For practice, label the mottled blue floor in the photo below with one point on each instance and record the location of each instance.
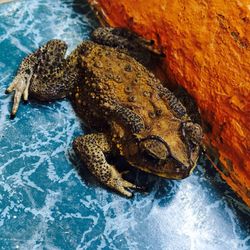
(46, 204)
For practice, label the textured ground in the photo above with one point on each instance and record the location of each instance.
(46, 204)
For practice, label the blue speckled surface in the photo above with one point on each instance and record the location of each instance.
(46, 204)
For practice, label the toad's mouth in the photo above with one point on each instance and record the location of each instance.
(169, 169)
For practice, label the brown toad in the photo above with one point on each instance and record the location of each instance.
(131, 113)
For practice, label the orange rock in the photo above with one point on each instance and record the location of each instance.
(207, 44)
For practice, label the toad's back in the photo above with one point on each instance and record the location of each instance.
(110, 76)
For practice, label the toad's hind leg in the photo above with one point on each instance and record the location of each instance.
(91, 149)
(42, 74)
(128, 42)
(118, 36)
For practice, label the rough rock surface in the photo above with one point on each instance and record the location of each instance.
(208, 52)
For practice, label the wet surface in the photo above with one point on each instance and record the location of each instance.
(46, 203)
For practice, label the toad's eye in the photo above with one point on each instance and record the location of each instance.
(154, 148)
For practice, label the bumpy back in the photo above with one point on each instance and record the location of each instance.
(112, 76)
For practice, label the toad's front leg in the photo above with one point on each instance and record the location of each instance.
(42, 73)
(91, 149)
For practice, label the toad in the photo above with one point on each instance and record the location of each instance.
(128, 110)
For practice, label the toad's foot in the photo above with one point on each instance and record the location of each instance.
(91, 149)
(119, 184)
(21, 84)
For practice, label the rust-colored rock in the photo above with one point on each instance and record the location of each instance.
(207, 44)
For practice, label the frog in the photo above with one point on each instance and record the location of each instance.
(128, 111)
